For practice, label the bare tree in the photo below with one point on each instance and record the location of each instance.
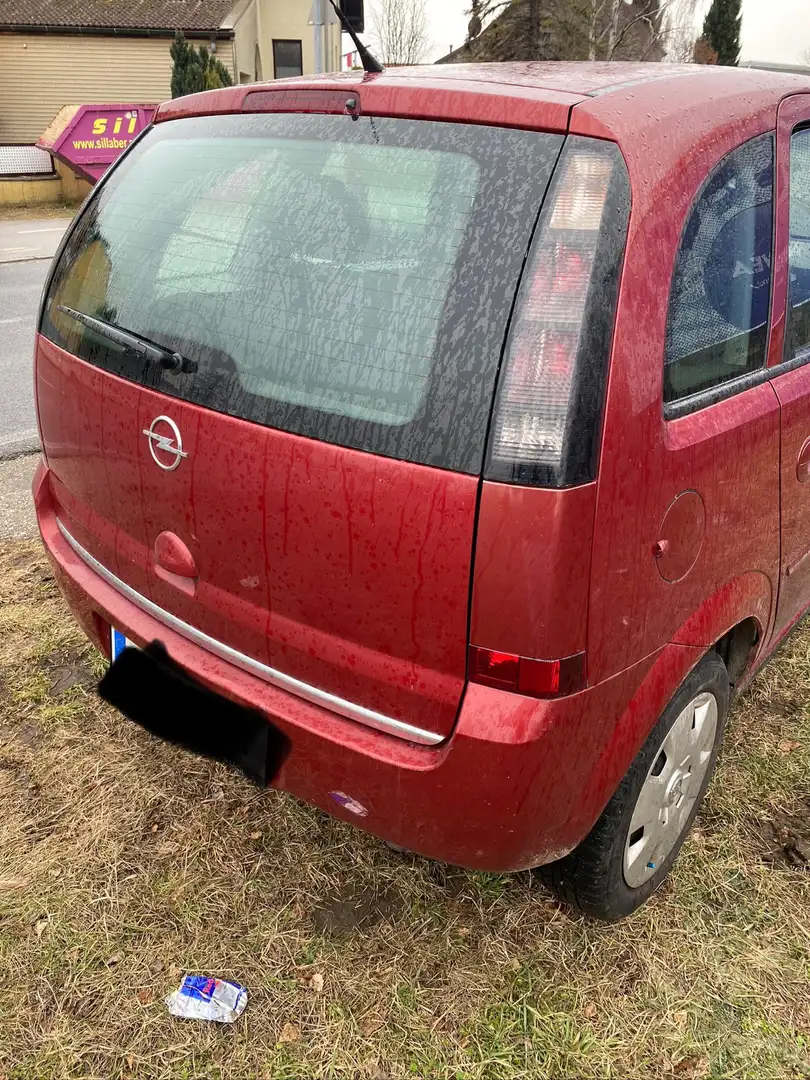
(641, 29)
(400, 30)
(682, 31)
(582, 29)
(681, 45)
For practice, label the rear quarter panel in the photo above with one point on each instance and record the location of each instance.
(727, 453)
(531, 577)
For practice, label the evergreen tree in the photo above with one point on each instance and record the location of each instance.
(721, 30)
(179, 52)
(215, 74)
(195, 69)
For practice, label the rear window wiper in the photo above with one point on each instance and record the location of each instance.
(141, 347)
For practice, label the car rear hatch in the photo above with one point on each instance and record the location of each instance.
(299, 482)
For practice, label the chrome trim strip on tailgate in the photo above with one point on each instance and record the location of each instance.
(254, 667)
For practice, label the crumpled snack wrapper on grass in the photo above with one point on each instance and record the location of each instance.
(200, 997)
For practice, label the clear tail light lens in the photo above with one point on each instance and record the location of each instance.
(549, 351)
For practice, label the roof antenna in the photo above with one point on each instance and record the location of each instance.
(370, 63)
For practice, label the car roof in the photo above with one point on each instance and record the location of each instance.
(649, 89)
(586, 78)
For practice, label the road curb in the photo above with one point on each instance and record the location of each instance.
(27, 258)
(27, 443)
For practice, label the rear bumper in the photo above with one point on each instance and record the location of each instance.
(519, 783)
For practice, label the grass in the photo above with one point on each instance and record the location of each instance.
(38, 211)
(125, 863)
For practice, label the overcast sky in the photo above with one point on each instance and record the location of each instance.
(773, 30)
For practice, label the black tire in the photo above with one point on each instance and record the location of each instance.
(591, 878)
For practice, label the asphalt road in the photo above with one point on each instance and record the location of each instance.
(24, 240)
(26, 249)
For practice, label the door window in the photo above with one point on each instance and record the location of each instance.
(718, 313)
(799, 316)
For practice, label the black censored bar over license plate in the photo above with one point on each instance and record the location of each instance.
(147, 686)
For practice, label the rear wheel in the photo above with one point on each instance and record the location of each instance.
(632, 847)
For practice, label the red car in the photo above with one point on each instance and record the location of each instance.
(454, 421)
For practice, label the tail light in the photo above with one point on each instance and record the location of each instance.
(525, 675)
(551, 388)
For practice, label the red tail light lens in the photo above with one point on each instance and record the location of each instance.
(525, 675)
(498, 669)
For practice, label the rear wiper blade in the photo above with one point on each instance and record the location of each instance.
(133, 343)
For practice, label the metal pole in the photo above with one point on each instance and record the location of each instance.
(318, 31)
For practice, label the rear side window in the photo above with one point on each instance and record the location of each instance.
(799, 319)
(718, 313)
(348, 280)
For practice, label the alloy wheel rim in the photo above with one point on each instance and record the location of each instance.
(670, 789)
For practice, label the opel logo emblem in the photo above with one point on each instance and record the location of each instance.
(168, 444)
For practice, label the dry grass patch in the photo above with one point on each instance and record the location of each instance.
(35, 213)
(125, 863)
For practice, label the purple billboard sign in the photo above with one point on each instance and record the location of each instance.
(95, 135)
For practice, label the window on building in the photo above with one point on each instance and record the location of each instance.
(287, 59)
(718, 313)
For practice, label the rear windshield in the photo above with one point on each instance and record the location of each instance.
(347, 280)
